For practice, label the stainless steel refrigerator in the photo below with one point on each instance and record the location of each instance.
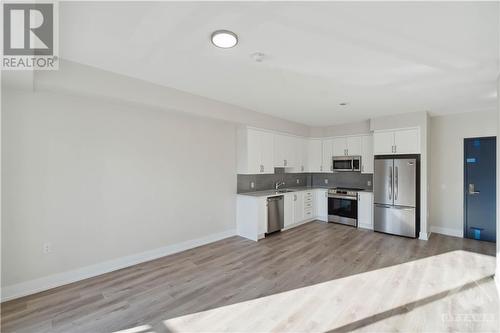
(395, 187)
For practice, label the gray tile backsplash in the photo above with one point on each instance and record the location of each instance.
(341, 179)
(266, 182)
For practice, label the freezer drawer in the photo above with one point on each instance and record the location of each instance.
(395, 220)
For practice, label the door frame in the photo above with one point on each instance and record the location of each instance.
(464, 180)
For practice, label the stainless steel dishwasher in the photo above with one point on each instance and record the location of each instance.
(275, 216)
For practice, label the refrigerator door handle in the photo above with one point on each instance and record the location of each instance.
(390, 183)
(396, 182)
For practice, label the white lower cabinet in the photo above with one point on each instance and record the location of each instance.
(288, 210)
(298, 207)
(321, 208)
(365, 210)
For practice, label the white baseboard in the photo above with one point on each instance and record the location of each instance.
(424, 235)
(366, 226)
(448, 231)
(497, 278)
(297, 224)
(57, 280)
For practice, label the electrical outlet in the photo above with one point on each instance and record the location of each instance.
(298, 181)
(326, 181)
(252, 185)
(369, 183)
(47, 248)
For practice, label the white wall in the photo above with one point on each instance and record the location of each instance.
(360, 127)
(101, 180)
(446, 177)
(89, 81)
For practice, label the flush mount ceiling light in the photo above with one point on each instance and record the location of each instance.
(224, 39)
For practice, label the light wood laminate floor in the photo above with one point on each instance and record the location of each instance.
(317, 277)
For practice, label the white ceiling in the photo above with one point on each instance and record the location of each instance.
(382, 58)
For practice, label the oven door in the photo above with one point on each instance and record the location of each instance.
(342, 164)
(343, 209)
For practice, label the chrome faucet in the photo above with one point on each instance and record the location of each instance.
(278, 184)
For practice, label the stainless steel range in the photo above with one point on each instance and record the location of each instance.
(343, 205)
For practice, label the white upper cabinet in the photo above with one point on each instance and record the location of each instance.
(314, 155)
(353, 145)
(383, 143)
(303, 155)
(402, 141)
(407, 141)
(260, 151)
(367, 154)
(347, 146)
(255, 151)
(339, 146)
(284, 151)
(327, 155)
(300, 155)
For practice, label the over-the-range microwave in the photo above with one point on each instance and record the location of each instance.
(347, 163)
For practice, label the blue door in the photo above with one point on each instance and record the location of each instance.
(480, 188)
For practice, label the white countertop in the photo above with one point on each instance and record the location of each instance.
(272, 193)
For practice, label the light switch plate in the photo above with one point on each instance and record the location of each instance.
(326, 181)
(252, 185)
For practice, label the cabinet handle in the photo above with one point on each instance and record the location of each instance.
(320, 168)
(295, 197)
(302, 169)
(284, 162)
(395, 148)
(331, 167)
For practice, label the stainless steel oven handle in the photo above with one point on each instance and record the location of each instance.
(335, 196)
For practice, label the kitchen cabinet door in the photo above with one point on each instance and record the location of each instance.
(354, 145)
(321, 204)
(383, 143)
(253, 151)
(288, 209)
(279, 150)
(298, 206)
(314, 155)
(267, 152)
(365, 210)
(407, 141)
(284, 151)
(367, 154)
(301, 155)
(339, 146)
(327, 155)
